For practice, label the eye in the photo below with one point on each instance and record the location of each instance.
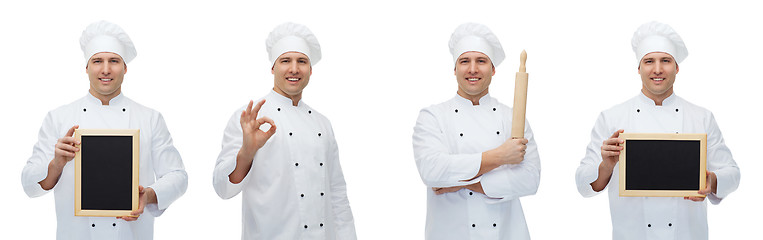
(302, 61)
(114, 61)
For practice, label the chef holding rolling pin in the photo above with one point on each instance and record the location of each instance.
(476, 156)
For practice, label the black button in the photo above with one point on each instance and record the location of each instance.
(471, 193)
(638, 110)
(302, 195)
(296, 164)
(84, 109)
(461, 134)
(279, 109)
(493, 109)
(494, 225)
(309, 112)
(670, 224)
(114, 224)
(498, 132)
(456, 110)
(124, 110)
(305, 226)
(319, 134)
(289, 134)
(649, 225)
(676, 109)
(93, 225)
(473, 225)
(321, 194)
(321, 164)
(321, 224)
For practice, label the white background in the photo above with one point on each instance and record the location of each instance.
(382, 62)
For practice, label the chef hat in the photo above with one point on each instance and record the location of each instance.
(292, 37)
(476, 37)
(104, 36)
(658, 37)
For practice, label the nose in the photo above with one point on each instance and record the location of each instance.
(473, 67)
(106, 69)
(293, 69)
(658, 68)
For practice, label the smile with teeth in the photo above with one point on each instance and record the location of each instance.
(658, 79)
(472, 79)
(105, 79)
(292, 79)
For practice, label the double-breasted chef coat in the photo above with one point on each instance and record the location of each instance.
(295, 188)
(645, 218)
(448, 141)
(161, 167)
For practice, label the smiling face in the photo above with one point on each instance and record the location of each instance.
(474, 71)
(658, 73)
(291, 73)
(106, 72)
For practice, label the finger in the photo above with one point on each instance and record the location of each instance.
(611, 148)
(71, 131)
(66, 147)
(610, 153)
(617, 133)
(257, 108)
(613, 141)
(68, 140)
(65, 154)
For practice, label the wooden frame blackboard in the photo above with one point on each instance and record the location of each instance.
(663, 165)
(106, 172)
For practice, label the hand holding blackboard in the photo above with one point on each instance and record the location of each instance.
(66, 149)
(610, 155)
(147, 195)
(712, 186)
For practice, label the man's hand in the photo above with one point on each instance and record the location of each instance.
(610, 148)
(610, 155)
(253, 140)
(712, 187)
(512, 151)
(146, 196)
(65, 151)
(475, 187)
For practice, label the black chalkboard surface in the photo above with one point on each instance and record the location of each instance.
(662, 165)
(106, 172)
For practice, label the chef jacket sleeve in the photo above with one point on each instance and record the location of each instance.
(512, 181)
(36, 168)
(437, 166)
(343, 220)
(720, 161)
(171, 177)
(226, 161)
(588, 171)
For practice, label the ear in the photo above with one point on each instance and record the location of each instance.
(676, 67)
(272, 71)
(493, 70)
(125, 67)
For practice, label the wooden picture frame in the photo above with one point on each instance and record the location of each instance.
(106, 172)
(663, 164)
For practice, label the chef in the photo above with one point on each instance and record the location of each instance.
(291, 179)
(474, 171)
(656, 109)
(163, 179)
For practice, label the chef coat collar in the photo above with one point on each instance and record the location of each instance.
(671, 100)
(114, 101)
(281, 99)
(483, 101)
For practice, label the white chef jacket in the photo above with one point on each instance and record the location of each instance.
(295, 188)
(161, 167)
(658, 217)
(448, 141)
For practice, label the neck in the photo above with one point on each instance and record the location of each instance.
(294, 98)
(474, 98)
(105, 98)
(657, 98)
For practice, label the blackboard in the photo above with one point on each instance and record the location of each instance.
(106, 172)
(662, 165)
